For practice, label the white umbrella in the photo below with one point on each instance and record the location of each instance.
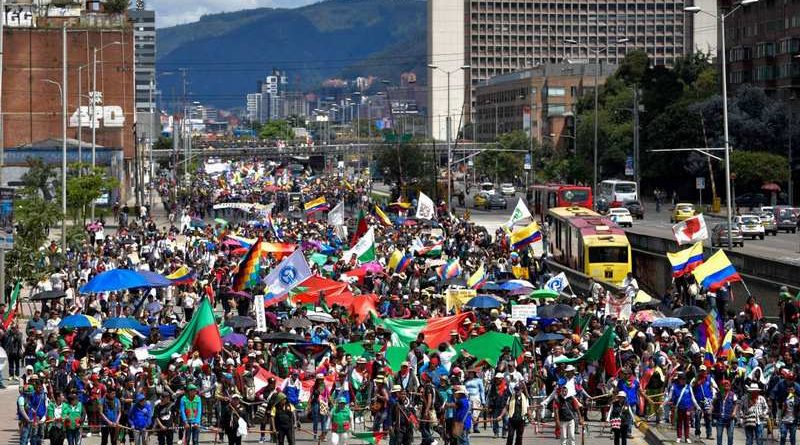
(321, 317)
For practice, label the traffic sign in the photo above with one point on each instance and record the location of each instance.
(700, 183)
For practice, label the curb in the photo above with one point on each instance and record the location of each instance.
(650, 436)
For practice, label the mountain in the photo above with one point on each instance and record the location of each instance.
(226, 54)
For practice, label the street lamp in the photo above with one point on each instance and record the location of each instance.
(722, 17)
(449, 133)
(596, 92)
(94, 103)
(61, 94)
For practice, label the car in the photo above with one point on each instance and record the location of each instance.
(719, 235)
(786, 218)
(496, 201)
(487, 187)
(480, 200)
(621, 216)
(751, 226)
(636, 208)
(508, 189)
(750, 200)
(682, 212)
(768, 221)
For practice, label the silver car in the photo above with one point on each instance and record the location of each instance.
(769, 223)
(719, 235)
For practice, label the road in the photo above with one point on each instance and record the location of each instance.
(8, 431)
(783, 247)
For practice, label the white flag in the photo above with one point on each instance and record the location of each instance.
(336, 215)
(425, 207)
(691, 230)
(292, 271)
(558, 283)
(520, 212)
(364, 249)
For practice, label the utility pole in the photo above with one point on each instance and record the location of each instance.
(64, 137)
(151, 134)
(636, 170)
(2, 152)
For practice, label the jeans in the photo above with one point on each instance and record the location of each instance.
(13, 366)
(704, 415)
(788, 430)
(24, 434)
(754, 434)
(495, 424)
(426, 433)
(727, 427)
(165, 437)
(105, 433)
(516, 429)
(568, 432)
(192, 435)
(318, 419)
(140, 437)
(621, 435)
(37, 434)
(74, 437)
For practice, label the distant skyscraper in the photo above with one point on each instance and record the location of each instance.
(144, 36)
(499, 37)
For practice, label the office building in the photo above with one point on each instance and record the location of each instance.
(540, 101)
(253, 107)
(144, 51)
(497, 37)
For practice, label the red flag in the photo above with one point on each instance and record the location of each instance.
(361, 228)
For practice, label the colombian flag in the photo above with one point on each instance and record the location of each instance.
(183, 275)
(247, 272)
(726, 349)
(477, 279)
(399, 262)
(450, 270)
(525, 236)
(716, 272)
(382, 217)
(315, 205)
(686, 260)
(708, 356)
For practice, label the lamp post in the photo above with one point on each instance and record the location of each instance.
(93, 100)
(596, 95)
(722, 17)
(63, 162)
(449, 132)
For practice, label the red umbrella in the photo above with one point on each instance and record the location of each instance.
(771, 187)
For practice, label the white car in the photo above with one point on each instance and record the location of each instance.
(508, 189)
(621, 216)
(488, 188)
(751, 226)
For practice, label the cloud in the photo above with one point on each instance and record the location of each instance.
(177, 12)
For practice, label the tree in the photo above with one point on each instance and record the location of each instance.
(83, 190)
(117, 6)
(408, 163)
(504, 166)
(35, 216)
(756, 168)
(277, 130)
(39, 177)
(163, 143)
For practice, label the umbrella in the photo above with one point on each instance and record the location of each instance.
(519, 291)
(547, 336)
(235, 339)
(410, 222)
(483, 302)
(516, 284)
(239, 322)
(646, 316)
(122, 323)
(321, 317)
(372, 266)
(155, 280)
(79, 321)
(491, 285)
(49, 295)
(556, 311)
(668, 322)
(282, 337)
(689, 312)
(294, 323)
(221, 221)
(236, 294)
(119, 279)
(544, 293)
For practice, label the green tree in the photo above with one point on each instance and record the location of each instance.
(117, 6)
(755, 168)
(35, 216)
(163, 143)
(39, 177)
(504, 166)
(277, 130)
(83, 190)
(408, 163)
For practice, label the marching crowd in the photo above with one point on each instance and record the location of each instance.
(338, 377)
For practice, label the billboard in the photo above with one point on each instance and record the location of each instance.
(6, 218)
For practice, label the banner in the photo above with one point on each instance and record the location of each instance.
(455, 298)
(425, 207)
(292, 271)
(261, 318)
(244, 206)
(521, 312)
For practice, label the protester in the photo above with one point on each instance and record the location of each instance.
(620, 417)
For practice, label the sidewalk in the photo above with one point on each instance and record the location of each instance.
(666, 433)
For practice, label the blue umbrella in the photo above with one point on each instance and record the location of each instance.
(155, 280)
(483, 302)
(122, 323)
(79, 321)
(516, 284)
(115, 280)
(491, 285)
(668, 322)
(547, 336)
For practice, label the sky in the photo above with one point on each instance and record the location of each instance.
(176, 12)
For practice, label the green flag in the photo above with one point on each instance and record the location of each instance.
(403, 331)
(605, 342)
(489, 346)
(201, 333)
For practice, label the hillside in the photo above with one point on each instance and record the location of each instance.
(226, 54)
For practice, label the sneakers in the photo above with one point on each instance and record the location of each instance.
(679, 440)
(262, 440)
(688, 440)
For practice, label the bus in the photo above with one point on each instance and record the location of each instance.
(586, 242)
(616, 193)
(543, 197)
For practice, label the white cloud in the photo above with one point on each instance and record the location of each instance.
(177, 12)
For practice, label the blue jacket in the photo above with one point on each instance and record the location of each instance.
(631, 392)
(140, 417)
(779, 391)
(681, 398)
(434, 373)
(463, 412)
(703, 391)
(38, 403)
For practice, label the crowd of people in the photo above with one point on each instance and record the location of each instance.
(352, 374)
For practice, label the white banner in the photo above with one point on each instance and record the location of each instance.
(261, 318)
(245, 206)
(522, 312)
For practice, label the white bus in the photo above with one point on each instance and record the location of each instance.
(616, 192)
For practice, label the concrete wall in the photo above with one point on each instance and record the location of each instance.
(32, 108)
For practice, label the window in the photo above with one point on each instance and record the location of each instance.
(608, 254)
(556, 92)
(556, 110)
